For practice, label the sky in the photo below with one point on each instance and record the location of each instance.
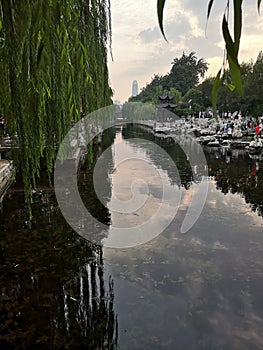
(140, 51)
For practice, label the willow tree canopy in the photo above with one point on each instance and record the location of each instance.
(53, 63)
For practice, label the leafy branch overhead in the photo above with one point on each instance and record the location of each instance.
(232, 43)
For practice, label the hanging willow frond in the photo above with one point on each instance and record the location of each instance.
(259, 3)
(53, 69)
(160, 9)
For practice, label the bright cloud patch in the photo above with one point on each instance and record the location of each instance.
(140, 51)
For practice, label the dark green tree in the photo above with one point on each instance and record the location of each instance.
(251, 102)
(194, 100)
(253, 86)
(206, 88)
(185, 73)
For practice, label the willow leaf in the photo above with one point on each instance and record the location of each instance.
(237, 22)
(259, 3)
(230, 46)
(215, 90)
(235, 75)
(69, 84)
(81, 62)
(38, 16)
(160, 7)
(231, 86)
(71, 110)
(84, 50)
(209, 7)
(39, 53)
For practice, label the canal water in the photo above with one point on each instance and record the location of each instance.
(199, 289)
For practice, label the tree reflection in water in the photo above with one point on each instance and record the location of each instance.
(53, 291)
(234, 171)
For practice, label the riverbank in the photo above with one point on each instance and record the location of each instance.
(208, 132)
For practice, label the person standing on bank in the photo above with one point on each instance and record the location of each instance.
(258, 131)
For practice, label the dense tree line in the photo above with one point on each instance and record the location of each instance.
(192, 96)
(184, 75)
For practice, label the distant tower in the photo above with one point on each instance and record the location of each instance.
(134, 88)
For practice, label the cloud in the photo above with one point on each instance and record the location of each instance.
(149, 35)
(140, 51)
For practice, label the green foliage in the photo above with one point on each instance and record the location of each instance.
(184, 75)
(206, 88)
(138, 111)
(253, 85)
(252, 82)
(53, 69)
(177, 95)
(231, 43)
(146, 112)
(215, 90)
(219, 91)
(194, 100)
(232, 48)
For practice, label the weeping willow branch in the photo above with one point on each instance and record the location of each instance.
(53, 63)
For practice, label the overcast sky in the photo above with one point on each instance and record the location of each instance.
(139, 50)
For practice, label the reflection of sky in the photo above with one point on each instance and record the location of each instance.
(202, 290)
(140, 190)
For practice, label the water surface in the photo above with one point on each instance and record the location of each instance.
(198, 290)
